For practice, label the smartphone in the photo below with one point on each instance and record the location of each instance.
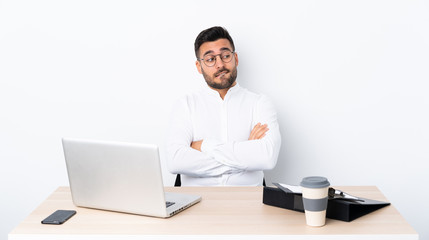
(59, 217)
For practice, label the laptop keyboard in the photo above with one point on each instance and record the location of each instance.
(168, 204)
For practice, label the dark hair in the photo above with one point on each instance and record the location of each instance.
(210, 35)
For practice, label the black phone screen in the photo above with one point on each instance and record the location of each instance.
(59, 217)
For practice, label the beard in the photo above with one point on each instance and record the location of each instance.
(226, 82)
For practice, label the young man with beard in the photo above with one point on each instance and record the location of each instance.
(223, 135)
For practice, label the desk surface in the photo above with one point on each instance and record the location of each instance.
(223, 213)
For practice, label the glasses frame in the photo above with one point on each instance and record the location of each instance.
(215, 57)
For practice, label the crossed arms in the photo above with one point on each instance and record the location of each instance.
(213, 157)
(257, 132)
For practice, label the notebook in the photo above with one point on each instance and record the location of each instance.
(122, 177)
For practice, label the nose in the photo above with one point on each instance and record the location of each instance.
(219, 63)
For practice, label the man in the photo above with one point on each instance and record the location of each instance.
(224, 134)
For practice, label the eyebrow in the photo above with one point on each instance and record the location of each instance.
(222, 49)
(208, 52)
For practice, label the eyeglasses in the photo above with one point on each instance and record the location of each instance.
(210, 60)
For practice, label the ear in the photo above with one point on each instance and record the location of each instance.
(236, 59)
(198, 65)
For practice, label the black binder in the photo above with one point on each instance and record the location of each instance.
(339, 209)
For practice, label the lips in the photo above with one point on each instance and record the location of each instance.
(221, 73)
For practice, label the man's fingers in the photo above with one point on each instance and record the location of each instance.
(261, 131)
(253, 132)
(258, 131)
(255, 128)
(197, 145)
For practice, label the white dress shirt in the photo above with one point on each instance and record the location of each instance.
(227, 157)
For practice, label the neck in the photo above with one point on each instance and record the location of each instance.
(222, 92)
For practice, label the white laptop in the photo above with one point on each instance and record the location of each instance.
(122, 177)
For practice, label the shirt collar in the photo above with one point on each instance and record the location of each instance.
(214, 93)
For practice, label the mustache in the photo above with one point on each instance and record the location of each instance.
(220, 71)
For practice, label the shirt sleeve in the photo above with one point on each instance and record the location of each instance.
(182, 159)
(250, 155)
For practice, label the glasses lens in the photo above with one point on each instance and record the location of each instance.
(210, 60)
(226, 56)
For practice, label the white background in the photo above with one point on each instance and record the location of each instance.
(349, 81)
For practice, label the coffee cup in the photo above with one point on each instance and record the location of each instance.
(315, 199)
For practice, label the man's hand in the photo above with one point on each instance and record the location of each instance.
(197, 145)
(258, 132)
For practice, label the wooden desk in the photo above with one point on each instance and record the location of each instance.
(224, 213)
